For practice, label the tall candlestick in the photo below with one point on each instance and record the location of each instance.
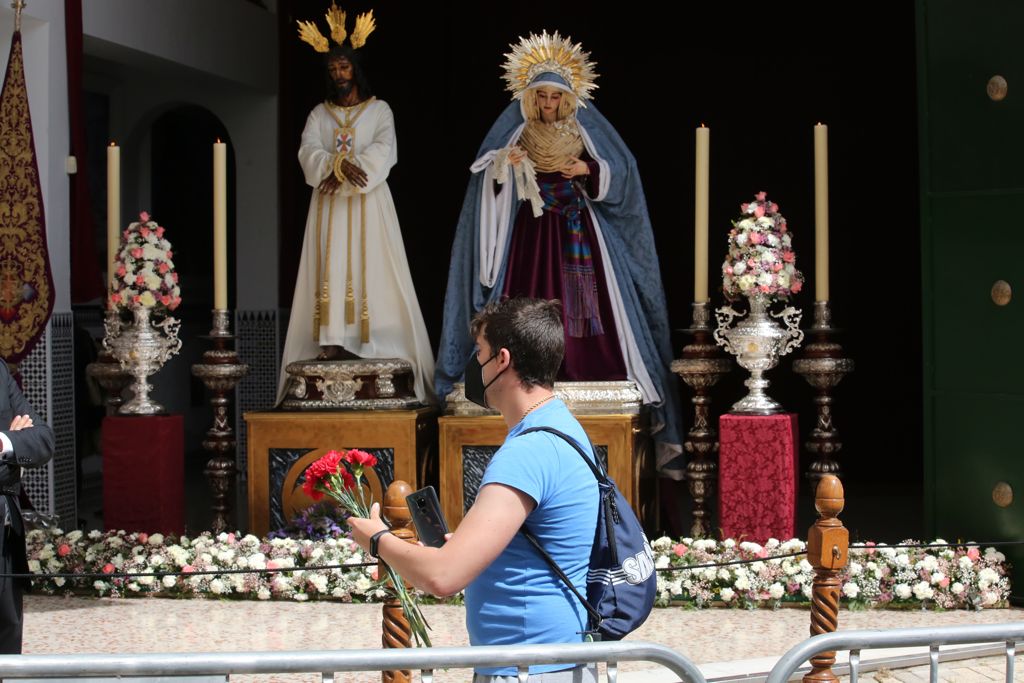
(821, 212)
(700, 218)
(220, 226)
(113, 209)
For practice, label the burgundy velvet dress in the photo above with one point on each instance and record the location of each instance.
(557, 256)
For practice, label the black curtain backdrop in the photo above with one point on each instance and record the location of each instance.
(760, 76)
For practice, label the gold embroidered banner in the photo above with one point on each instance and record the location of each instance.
(26, 283)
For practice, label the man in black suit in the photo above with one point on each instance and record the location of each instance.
(27, 443)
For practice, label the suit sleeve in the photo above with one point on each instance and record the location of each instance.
(33, 447)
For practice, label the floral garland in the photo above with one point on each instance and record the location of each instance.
(761, 260)
(144, 269)
(877, 575)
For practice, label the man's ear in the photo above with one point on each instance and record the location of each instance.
(504, 358)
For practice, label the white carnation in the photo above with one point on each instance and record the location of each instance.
(776, 590)
(851, 590)
(739, 268)
(855, 569)
(957, 588)
(903, 591)
(727, 594)
(923, 591)
(169, 581)
(217, 586)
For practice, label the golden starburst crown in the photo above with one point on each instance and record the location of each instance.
(552, 53)
(365, 25)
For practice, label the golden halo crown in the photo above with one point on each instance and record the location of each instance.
(365, 25)
(545, 53)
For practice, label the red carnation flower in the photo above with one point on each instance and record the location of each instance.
(361, 458)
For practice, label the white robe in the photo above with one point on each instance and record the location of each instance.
(396, 324)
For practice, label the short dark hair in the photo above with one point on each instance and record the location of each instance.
(358, 69)
(533, 333)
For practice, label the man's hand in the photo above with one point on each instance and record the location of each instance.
(20, 422)
(329, 185)
(363, 528)
(353, 173)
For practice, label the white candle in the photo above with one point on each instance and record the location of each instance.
(113, 209)
(700, 218)
(220, 226)
(821, 212)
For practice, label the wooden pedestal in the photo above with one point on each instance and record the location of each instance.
(622, 442)
(283, 444)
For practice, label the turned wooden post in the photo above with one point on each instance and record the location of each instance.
(396, 631)
(827, 544)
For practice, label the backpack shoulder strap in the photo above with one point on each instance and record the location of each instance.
(594, 465)
(595, 616)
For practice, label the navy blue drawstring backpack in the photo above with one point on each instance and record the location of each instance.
(621, 583)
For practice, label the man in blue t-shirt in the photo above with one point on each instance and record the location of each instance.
(512, 595)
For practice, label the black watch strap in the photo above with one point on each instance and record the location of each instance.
(375, 541)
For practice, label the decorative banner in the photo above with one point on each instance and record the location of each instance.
(26, 283)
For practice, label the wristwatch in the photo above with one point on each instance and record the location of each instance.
(375, 541)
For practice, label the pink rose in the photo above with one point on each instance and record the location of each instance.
(755, 238)
(751, 263)
(136, 252)
(759, 211)
(765, 289)
(788, 256)
(273, 564)
(375, 575)
(174, 276)
(231, 538)
(773, 207)
(144, 216)
(115, 297)
(108, 568)
(163, 268)
(728, 270)
(165, 300)
(121, 270)
(870, 546)
(144, 231)
(743, 207)
(175, 302)
(125, 234)
(187, 569)
(63, 550)
(761, 195)
(776, 267)
(142, 538)
(136, 299)
(159, 231)
(796, 286)
(170, 254)
(679, 549)
(782, 227)
(973, 553)
(944, 583)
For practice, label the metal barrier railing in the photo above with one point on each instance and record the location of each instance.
(329, 662)
(867, 639)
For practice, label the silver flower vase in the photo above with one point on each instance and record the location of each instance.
(758, 342)
(141, 347)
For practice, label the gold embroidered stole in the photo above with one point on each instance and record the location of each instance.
(344, 147)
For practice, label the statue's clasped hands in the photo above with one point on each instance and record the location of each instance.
(352, 173)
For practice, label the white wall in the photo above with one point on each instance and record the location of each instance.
(42, 33)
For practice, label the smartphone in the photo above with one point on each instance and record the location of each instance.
(427, 516)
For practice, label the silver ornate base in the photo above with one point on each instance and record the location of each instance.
(582, 398)
(363, 384)
(756, 402)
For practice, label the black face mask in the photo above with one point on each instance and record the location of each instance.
(476, 390)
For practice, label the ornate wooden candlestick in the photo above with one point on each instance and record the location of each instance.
(701, 366)
(396, 632)
(828, 543)
(823, 366)
(220, 371)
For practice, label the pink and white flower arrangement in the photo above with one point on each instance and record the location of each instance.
(761, 260)
(877, 575)
(144, 274)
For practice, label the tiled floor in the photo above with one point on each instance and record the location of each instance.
(732, 638)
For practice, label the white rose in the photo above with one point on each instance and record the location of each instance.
(806, 566)
(957, 588)
(300, 597)
(989, 599)
(787, 241)
(739, 268)
(776, 590)
(746, 224)
(99, 585)
(764, 279)
(851, 590)
(902, 561)
(773, 241)
(922, 591)
(937, 578)
(661, 562)
(772, 543)
(263, 593)
(662, 543)
(903, 591)
(727, 594)
(319, 582)
(728, 543)
(34, 566)
(764, 222)
(988, 575)
(855, 569)
(146, 580)
(783, 278)
(756, 566)
(217, 586)
(742, 583)
(58, 582)
(95, 534)
(872, 567)
(169, 581)
(746, 282)
(965, 562)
